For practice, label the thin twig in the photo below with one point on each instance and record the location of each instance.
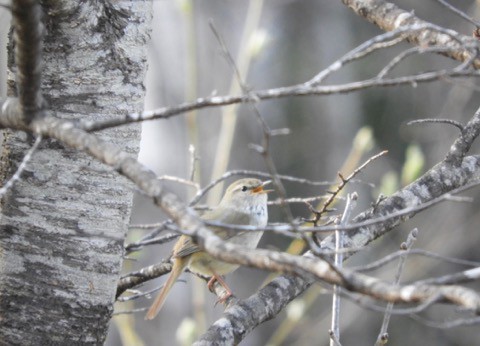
(129, 312)
(411, 51)
(341, 185)
(406, 247)
(360, 300)
(455, 278)
(459, 13)
(419, 252)
(461, 146)
(289, 91)
(264, 149)
(440, 121)
(180, 181)
(334, 341)
(293, 200)
(149, 225)
(8, 185)
(146, 274)
(338, 261)
(193, 164)
(136, 294)
(229, 118)
(447, 324)
(158, 228)
(311, 87)
(378, 42)
(366, 48)
(154, 241)
(355, 226)
(251, 173)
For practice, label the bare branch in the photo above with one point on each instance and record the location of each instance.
(154, 241)
(338, 261)
(295, 90)
(146, 274)
(456, 278)
(419, 252)
(406, 246)
(459, 13)
(448, 42)
(129, 312)
(448, 324)
(390, 17)
(180, 181)
(443, 177)
(233, 253)
(440, 121)
(157, 229)
(136, 294)
(341, 185)
(462, 145)
(334, 341)
(378, 42)
(402, 56)
(404, 213)
(273, 297)
(249, 173)
(264, 149)
(28, 31)
(193, 164)
(369, 305)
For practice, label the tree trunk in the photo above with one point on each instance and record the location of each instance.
(63, 224)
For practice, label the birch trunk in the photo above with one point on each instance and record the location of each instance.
(63, 225)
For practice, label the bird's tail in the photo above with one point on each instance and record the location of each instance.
(177, 269)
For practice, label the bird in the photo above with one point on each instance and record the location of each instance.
(244, 203)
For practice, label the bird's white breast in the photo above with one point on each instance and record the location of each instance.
(258, 215)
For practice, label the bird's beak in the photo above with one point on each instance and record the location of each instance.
(259, 189)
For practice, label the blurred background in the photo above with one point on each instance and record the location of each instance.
(280, 43)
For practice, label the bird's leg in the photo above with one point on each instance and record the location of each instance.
(211, 282)
(222, 282)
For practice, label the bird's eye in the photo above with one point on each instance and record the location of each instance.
(244, 188)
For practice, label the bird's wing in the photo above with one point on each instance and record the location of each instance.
(228, 218)
(186, 247)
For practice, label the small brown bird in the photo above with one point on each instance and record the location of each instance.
(244, 203)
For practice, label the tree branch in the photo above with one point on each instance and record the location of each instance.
(443, 177)
(28, 31)
(389, 17)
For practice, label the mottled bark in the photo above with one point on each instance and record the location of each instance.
(63, 224)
